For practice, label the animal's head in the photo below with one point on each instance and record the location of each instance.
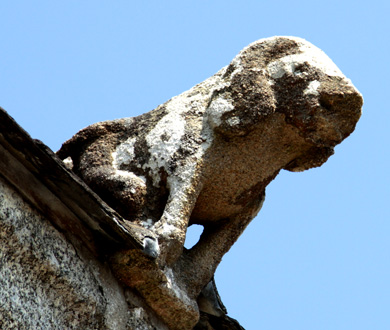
(291, 77)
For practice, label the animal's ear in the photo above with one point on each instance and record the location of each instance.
(235, 110)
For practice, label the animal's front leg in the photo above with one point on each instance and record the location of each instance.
(171, 228)
(200, 262)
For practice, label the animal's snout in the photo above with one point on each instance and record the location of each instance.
(325, 110)
(340, 98)
(340, 108)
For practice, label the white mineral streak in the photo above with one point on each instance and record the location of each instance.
(217, 108)
(124, 153)
(312, 88)
(164, 139)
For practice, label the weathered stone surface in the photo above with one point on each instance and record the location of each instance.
(206, 156)
(44, 282)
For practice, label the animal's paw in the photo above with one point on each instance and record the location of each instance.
(171, 241)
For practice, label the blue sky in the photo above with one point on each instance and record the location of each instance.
(317, 256)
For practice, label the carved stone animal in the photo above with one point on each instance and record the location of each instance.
(206, 156)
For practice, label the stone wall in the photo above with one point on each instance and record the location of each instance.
(47, 283)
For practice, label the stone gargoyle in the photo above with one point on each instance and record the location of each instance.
(206, 156)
